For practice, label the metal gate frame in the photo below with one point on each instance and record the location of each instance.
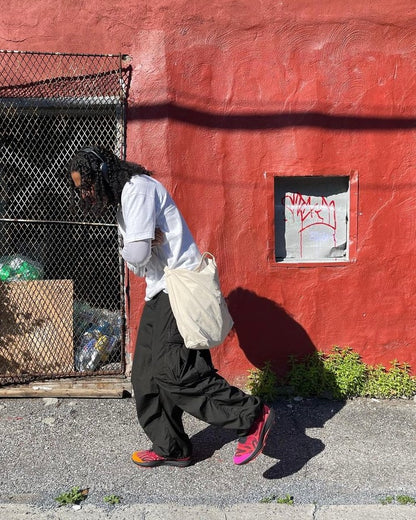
(62, 298)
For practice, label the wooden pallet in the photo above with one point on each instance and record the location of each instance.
(88, 387)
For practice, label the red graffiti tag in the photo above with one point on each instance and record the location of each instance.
(308, 213)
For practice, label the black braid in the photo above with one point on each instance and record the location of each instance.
(107, 189)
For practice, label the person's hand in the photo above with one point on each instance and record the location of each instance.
(159, 238)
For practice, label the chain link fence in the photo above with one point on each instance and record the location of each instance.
(61, 276)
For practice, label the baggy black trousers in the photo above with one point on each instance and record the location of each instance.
(169, 379)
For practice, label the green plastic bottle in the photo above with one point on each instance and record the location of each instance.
(26, 271)
(5, 273)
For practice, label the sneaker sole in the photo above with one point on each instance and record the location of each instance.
(263, 438)
(155, 463)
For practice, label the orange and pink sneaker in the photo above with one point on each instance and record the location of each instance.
(150, 459)
(252, 445)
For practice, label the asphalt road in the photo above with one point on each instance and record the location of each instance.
(320, 452)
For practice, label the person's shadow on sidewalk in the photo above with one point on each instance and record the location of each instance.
(288, 442)
(210, 440)
(266, 332)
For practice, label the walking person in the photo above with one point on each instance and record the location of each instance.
(168, 379)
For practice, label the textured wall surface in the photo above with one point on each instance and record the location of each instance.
(225, 95)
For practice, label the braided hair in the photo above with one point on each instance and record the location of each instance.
(106, 186)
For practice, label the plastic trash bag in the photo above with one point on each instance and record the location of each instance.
(19, 268)
(97, 335)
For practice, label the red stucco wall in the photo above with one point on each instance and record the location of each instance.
(225, 94)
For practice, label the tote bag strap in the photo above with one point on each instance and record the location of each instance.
(205, 255)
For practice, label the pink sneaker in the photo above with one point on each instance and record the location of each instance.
(150, 459)
(252, 445)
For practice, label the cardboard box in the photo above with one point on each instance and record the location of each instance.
(36, 328)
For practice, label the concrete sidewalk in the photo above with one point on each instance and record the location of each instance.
(338, 460)
(240, 512)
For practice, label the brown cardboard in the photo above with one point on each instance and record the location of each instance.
(36, 327)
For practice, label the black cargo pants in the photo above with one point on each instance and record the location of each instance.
(169, 379)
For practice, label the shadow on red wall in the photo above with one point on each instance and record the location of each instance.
(268, 120)
(266, 332)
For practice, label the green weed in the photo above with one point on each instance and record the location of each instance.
(339, 374)
(285, 500)
(268, 500)
(112, 499)
(403, 500)
(74, 496)
(262, 382)
(279, 500)
(342, 374)
(387, 500)
(387, 384)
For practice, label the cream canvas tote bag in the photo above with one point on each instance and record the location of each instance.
(198, 304)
